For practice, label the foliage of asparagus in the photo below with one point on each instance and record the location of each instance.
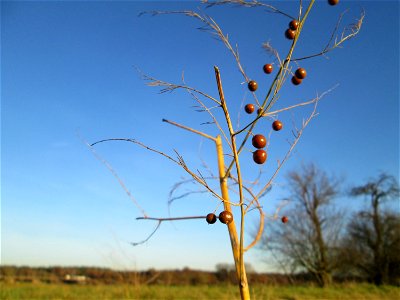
(230, 175)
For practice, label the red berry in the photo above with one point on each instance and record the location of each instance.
(259, 141)
(249, 108)
(294, 24)
(333, 2)
(252, 85)
(285, 219)
(268, 68)
(225, 217)
(259, 111)
(211, 218)
(290, 34)
(296, 81)
(277, 125)
(259, 156)
(300, 73)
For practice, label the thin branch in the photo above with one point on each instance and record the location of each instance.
(190, 129)
(115, 174)
(252, 3)
(207, 109)
(170, 219)
(268, 47)
(169, 87)
(151, 234)
(180, 161)
(301, 104)
(348, 32)
(216, 30)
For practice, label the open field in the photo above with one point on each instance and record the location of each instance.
(227, 292)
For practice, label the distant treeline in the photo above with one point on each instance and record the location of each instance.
(186, 276)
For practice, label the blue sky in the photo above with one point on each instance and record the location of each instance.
(69, 68)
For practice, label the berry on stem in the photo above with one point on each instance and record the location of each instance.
(259, 141)
(290, 34)
(211, 218)
(268, 68)
(277, 125)
(225, 217)
(300, 73)
(293, 25)
(285, 219)
(296, 81)
(252, 85)
(249, 108)
(259, 156)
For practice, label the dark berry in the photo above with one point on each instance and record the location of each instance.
(211, 218)
(268, 68)
(277, 125)
(259, 156)
(252, 85)
(259, 141)
(249, 108)
(225, 217)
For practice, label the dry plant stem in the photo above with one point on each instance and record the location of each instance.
(252, 3)
(236, 158)
(180, 162)
(210, 23)
(239, 265)
(300, 104)
(114, 173)
(190, 129)
(355, 28)
(169, 87)
(171, 219)
(208, 110)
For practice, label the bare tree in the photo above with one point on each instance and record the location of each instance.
(309, 240)
(372, 245)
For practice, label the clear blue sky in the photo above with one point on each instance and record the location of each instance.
(68, 67)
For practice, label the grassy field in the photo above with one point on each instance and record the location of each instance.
(261, 292)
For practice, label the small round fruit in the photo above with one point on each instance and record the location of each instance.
(285, 219)
(225, 217)
(259, 141)
(268, 68)
(290, 34)
(333, 2)
(277, 125)
(211, 218)
(293, 25)
(296, 81)
(249, 108)
(252, 85)
(300, 73)
(259, 156)
(259, 111)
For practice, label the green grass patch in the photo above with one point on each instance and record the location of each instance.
(33, 291)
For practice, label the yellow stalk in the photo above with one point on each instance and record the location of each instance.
(239, 265)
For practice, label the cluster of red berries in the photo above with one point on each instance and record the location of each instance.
(225, 217)
(259, 156)
(290, 33)
(299, 75)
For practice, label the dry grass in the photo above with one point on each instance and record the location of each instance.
(227, 292)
